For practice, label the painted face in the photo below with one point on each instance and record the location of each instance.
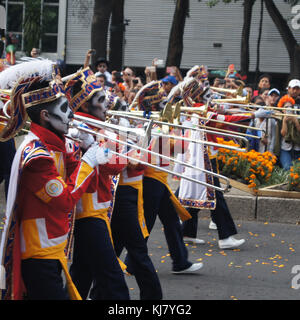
(61, 115)
(99, 105)
(207, 95)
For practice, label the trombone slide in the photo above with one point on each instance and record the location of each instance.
(161, 156)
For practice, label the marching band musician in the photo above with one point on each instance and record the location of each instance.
(129, 230)
(94, 260)
(159, 199)
(220, 216)
(50, 181)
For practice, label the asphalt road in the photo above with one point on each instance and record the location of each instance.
(260, 270)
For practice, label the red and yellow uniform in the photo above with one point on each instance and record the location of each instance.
(50, 184)
(163, 176)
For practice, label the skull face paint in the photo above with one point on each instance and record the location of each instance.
(60, 115)
(98, 105)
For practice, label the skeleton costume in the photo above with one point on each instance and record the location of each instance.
(95, 261)
(209, 198)
(47, 180)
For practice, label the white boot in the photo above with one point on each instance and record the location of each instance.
(230, 243)
(212, 225)
(194, 267)
(193, 240)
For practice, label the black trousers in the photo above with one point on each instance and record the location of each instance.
(95, 261)
(127, 234)
(7, 151)
(220, 216)
(157, 203)
(43, 279)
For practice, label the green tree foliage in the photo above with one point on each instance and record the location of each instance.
(32, 25)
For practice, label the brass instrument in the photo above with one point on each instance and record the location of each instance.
(143, 151)
(233, 92)
(138, 131)
(238, 100)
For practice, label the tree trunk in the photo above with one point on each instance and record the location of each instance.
(101, 16)
(259, 41)
(175, 47)
(287, 37)
(295, 67)
(117, 29)
(245, 60)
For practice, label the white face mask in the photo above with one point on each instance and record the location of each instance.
(207, 95)
(99, 104)
(61, 116)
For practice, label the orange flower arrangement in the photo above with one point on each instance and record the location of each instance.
(294, 176)
(252, 167)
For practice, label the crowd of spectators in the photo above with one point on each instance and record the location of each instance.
(280, 134)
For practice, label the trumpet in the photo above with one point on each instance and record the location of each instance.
(146, 151)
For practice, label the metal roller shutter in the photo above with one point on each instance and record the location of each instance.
(147, 34)
(78, 31)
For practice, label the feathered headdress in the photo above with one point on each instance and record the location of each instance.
(18, 80)
(26, 70)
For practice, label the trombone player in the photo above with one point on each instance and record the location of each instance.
(220, 215)
(94, 259)
(39, 216)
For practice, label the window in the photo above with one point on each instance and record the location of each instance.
(49, 24)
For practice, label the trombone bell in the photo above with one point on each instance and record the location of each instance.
(238, 99)
(235, 93)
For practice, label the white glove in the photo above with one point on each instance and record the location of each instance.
(124, 123)
(262, 113)
(96, 155)
(86, 139)
(221, 108)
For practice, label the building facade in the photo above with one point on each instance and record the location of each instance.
(212, 35)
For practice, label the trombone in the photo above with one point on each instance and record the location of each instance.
(269, 107)
(205, 128)
(233, 92)
(238, 100)
(143, 150)
(169, 116)
(138, 131)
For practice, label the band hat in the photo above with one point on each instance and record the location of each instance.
(294, 83)
(21, 79)
(274, 90)
(86, 84)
